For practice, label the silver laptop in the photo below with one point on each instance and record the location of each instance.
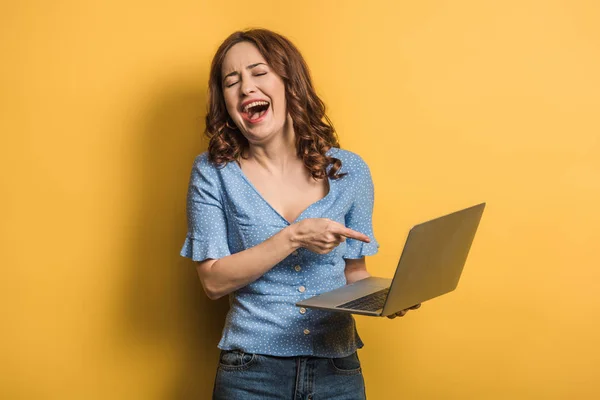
(430, 265)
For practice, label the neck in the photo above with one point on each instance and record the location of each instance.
(277, 154)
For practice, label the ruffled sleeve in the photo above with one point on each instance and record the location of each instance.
(360, 214)
(207, 223)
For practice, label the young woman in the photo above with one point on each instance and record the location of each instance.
(277, 213)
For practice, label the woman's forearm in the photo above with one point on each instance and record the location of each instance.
(356, 269)
(232, 272)
(356, 275)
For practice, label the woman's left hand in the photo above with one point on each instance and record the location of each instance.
(403, 312)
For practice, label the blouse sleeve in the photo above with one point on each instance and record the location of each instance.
(207, 223)
(360, 215)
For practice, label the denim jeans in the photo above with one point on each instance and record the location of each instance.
(244, 376)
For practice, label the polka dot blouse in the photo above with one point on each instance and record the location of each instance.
(226, 215)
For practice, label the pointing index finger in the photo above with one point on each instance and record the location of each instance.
(352, 234)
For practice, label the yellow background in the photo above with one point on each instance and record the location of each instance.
(450, 103)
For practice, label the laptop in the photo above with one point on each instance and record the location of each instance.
(430, 265)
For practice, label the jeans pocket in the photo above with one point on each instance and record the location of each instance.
(235, 360)
(348, 365)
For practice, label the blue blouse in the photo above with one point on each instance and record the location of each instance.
(227, 214)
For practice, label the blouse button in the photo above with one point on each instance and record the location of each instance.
(302, 310)
(302, 289)
(306, 331)
(297, 268)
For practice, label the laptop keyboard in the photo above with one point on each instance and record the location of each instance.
(370, 302)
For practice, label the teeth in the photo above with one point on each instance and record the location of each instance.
(254, 104)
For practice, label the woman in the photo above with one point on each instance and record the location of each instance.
(277, 213)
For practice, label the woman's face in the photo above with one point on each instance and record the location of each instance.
(254, 94)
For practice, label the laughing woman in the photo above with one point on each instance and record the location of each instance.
(277, 213)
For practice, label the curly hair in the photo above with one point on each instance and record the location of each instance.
(314, 131)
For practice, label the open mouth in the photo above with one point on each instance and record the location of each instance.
(254, 111)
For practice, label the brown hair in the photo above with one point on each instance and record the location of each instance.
(314, 131)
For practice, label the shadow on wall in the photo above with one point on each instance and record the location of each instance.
(164, 308)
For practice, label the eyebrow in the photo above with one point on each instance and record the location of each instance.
(248, 67)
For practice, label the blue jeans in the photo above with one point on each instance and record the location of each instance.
(244, 376)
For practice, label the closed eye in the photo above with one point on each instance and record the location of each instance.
(233, 83)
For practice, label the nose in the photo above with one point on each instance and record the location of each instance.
(247, 86)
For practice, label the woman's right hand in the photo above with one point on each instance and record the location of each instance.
(321, 235)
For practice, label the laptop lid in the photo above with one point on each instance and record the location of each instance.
(433, 258)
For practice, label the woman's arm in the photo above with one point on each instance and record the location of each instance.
(227, 274)
(356, 269)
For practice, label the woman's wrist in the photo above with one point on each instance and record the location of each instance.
(291, 237)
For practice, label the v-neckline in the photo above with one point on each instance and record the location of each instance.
(249, 182)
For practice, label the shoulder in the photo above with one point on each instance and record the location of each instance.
(203, 165)
(352, 163)
(205, 172)
(202, 161)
